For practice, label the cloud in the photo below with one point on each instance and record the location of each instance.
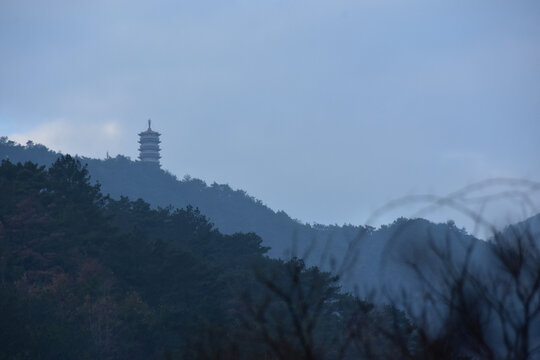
(68, 136)
(110, 131)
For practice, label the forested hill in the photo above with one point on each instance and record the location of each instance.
(83, 276)
(230, 210)
(369, 263)
(373, 262)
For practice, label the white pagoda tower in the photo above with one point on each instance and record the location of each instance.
(149, 149)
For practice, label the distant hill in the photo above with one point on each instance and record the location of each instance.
(84, 276)
(367, 258)
(73, 260)
(230, 210)
(530, 225)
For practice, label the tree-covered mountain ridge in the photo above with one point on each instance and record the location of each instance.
(83, 275)
(372, 258)
(229, 210)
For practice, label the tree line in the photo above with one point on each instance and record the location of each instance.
(86, 276)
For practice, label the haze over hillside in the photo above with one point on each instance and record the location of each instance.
(230, 210)
(87, 276)
(365, 250)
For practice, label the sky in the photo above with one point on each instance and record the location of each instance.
(327, 110)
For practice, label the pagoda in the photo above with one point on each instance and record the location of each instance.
(149, 149)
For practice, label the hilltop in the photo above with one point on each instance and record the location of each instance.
(367, 258)
(89, 276)
(229, 210)
(84, 276)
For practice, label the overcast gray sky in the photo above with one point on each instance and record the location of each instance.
(324, 109)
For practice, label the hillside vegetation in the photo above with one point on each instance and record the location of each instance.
(229, 210)
(83, 275)
(368, 259)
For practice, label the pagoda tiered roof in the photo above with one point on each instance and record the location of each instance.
(149, 132)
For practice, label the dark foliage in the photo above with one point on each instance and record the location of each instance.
(230, 210)
(85, 276)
